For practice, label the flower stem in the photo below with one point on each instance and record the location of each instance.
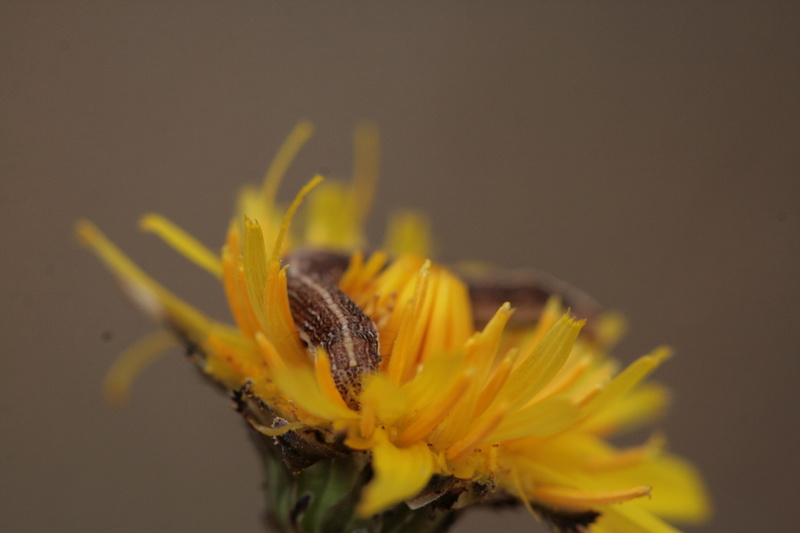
(323, 497)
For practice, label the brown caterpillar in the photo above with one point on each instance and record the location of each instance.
(527, 291)
(326, 318)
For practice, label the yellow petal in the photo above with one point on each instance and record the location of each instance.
(235, 286)
(322, 370)
(480, 353)
(405, 348)
(538, 369)
(627, 380)
(409, 233)
(477, 434)
(630, 518)
(280, 324)
(496, 381)
(386, 400)
(460, 420)
(643, 405)
(530, 469)
(359, 276)
(286, 154)
(482, 348)
(255, 268)
(538, 420)
(284, 229)
(432, 383)
(628, 457)
(301, 386)
(131, 363)
(266, 285)
(566, 498)
(183, 243)
(331, 219)
(610, 327)
(553, 310)
(433, 413)
(575, 369)
(366, 165)
(678, 490)
(400, 473)
(151, 297)
(231, 359)
(269, 216)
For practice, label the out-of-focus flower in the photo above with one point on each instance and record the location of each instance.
(452, 413)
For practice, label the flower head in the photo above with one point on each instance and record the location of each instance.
(379, 357)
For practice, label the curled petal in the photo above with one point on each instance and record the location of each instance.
(400, 473)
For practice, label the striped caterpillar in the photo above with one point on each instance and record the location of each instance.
(326, 318)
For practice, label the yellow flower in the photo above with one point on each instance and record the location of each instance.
(476, 415)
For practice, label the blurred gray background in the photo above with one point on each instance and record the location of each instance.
(647, 153)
